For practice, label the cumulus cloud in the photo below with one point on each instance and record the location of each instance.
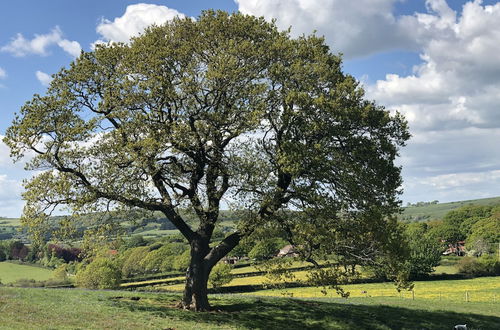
(457, 84)
(20, 46)
(355, 28)
(136, 18)
(43, 77)
(10, 197)
(4, 153)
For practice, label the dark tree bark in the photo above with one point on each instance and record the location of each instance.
(195, 292)
(203, 259)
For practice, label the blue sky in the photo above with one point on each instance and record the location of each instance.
(436, 61)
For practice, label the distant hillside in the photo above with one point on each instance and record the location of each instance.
(154, 225)
(158, 226)
(8, 228)
(429, 211)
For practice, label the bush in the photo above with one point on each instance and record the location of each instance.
(220, 275)
(31, 283)
(162, 259)
(486, 265)
(136, 241)
(133, 261)
(60, 273)
(102, 273)
(182, 261)
(265, 249)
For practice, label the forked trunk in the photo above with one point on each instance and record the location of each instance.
(195, 292)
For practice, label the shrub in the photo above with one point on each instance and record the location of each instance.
(133, 261)
(102, 273)
(182, 261)
(60, 273)
(490, 264)
(136, 241)
(31, 283)
(484, 266)
(220, 275)
(18, 250)
(163, 258)
(265, 249)
(66, 254)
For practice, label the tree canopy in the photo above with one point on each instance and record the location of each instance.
(220, 111)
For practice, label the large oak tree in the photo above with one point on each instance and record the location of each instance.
(200, 114)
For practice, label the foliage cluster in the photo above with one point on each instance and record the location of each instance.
(485, 265)
(13, 250)
(478, 225)
(425, 252)
(155, 258)
(101, 273)
(220, 275)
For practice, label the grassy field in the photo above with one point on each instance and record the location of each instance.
(447, 265)
(10, 272)
(10, 222)
(82, 309)
(242, 278)
(484, 289)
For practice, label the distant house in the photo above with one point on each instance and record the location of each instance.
(288, 251)
(456, 249)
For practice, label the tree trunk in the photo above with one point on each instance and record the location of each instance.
(203, 259)
(195, 292)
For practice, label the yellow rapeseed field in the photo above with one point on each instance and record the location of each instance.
(485, 289)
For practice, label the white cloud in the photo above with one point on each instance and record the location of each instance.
(9, 189)
(4, 153)
(457, 84)
(44, 78)
(10, 197)
(71, 47)
(457, 180)
(355, 28)
(136, 18)
(20, 46)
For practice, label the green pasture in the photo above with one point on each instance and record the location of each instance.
(10, 222)
(447, 265)
(86, 309)
(484, 289)
(11, 272)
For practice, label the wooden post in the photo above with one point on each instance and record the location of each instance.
(413, 294)
(466, 296)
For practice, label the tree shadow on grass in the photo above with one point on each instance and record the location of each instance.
(278, 313)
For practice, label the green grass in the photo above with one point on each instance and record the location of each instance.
(10, 222)
(10, 272)
(447, 265)
(484, 289)
(82, 309)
